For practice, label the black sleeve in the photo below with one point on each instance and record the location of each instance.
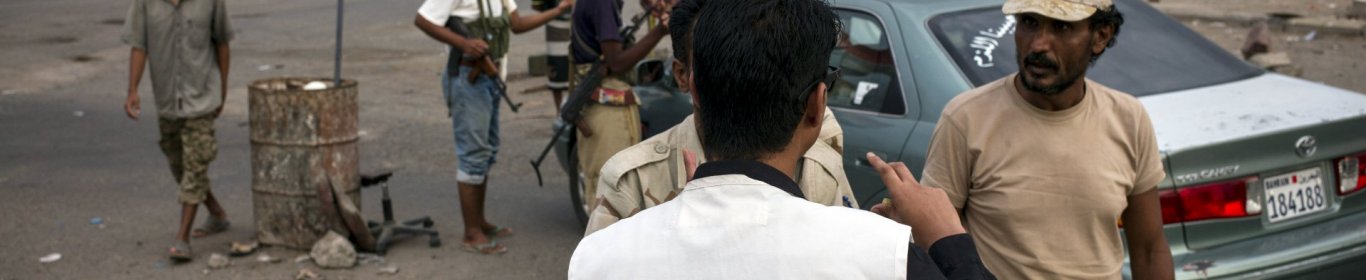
(953, 257)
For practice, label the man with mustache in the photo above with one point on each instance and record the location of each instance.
(1043, 164)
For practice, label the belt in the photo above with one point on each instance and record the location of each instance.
(629, 96)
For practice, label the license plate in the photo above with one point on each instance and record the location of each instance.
(1294, 195)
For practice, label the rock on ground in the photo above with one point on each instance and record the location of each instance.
(334, 251)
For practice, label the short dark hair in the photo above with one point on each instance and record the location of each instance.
(1102, 18)
(680, 27)
(753, 63)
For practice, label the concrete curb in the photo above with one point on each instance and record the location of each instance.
(1345, 27)
(1322, 25)
(1194, 12)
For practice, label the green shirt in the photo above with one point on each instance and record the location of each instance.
(180, 42)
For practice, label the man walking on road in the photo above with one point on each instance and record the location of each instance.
(1045, 163)
(185, 40)
(473, 99)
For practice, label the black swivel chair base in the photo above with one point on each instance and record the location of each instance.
(390, 231)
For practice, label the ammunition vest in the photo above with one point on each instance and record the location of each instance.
(496, 31)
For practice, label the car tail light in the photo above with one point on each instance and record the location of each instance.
(1219, 200)
(1171, 206)
(1350, 174)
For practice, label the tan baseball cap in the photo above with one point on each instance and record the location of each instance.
(1065, 10)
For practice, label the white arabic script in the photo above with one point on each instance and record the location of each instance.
(985, 43)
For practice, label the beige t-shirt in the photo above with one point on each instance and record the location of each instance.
(1042, 191)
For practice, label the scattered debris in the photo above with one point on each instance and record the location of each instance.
(243, 248)
(161, 264)
(1312, 34)
(1258, 40)
(268, 67)
(302, 258)
(96, 221)
(1278, 62)
(315, 85)
(84, 58)
(217, 261)
(367, 258)
(305, 274)
(78, 113)
(268, 259)
(334, 251)
(388, 270)
(49, 258)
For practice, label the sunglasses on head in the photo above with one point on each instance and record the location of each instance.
(832, 74)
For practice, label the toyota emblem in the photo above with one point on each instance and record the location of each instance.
(1306, 146)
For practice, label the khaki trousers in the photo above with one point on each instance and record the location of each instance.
(615, 128)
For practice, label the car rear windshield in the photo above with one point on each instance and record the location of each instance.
(1154, 54)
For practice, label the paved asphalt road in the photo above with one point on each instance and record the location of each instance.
(68, 154)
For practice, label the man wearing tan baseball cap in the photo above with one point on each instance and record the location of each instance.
(1043, 164)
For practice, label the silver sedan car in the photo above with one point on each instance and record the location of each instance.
(1264, 171)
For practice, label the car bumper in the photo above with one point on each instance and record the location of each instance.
(1320, 251)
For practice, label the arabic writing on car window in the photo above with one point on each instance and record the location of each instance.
(985, 43)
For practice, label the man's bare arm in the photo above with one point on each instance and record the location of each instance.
(522, 24)
(137, 59)
(1149, 255)
(224, 64)
(473, 47)
(620, 61)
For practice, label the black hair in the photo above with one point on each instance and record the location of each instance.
(1102, 18)
(680, 27)
(753, 64)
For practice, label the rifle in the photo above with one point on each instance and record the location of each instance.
(588, 85)
(484, 66)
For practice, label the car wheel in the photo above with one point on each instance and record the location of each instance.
(576, 184)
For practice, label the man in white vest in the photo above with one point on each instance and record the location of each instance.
(742, 216)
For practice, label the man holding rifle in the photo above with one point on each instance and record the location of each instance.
(477, 31)
(651, 172)
(610, 121)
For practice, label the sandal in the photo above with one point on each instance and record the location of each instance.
(498, 232)
(180, 252)
(491, 248)
(211, 227)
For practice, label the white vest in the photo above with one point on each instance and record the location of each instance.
(734, 227)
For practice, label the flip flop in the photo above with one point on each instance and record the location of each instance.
(498, 232)
(491, 248)
(180, 252)
(211, 227)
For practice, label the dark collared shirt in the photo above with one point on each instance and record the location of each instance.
(952, 257)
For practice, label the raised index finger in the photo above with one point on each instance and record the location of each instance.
(887, 172)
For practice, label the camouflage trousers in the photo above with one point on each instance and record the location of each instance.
(189, 146)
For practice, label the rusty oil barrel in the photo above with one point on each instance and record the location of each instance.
(299, 140)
